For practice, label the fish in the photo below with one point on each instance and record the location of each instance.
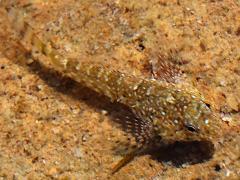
(164, 110)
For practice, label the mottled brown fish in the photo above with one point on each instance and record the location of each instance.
(171, 111)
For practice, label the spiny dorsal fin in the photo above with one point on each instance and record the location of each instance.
(164, 69)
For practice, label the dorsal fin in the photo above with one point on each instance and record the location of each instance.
(164, 69)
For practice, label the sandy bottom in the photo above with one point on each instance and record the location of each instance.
(54, 128)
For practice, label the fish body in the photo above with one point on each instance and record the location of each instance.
(168, 110)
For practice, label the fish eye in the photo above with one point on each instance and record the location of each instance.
(191, 128)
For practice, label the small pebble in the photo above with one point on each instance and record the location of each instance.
(104, 112)
(226, 117)
(78, 153)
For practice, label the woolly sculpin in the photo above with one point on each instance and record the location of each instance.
(163, 110)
